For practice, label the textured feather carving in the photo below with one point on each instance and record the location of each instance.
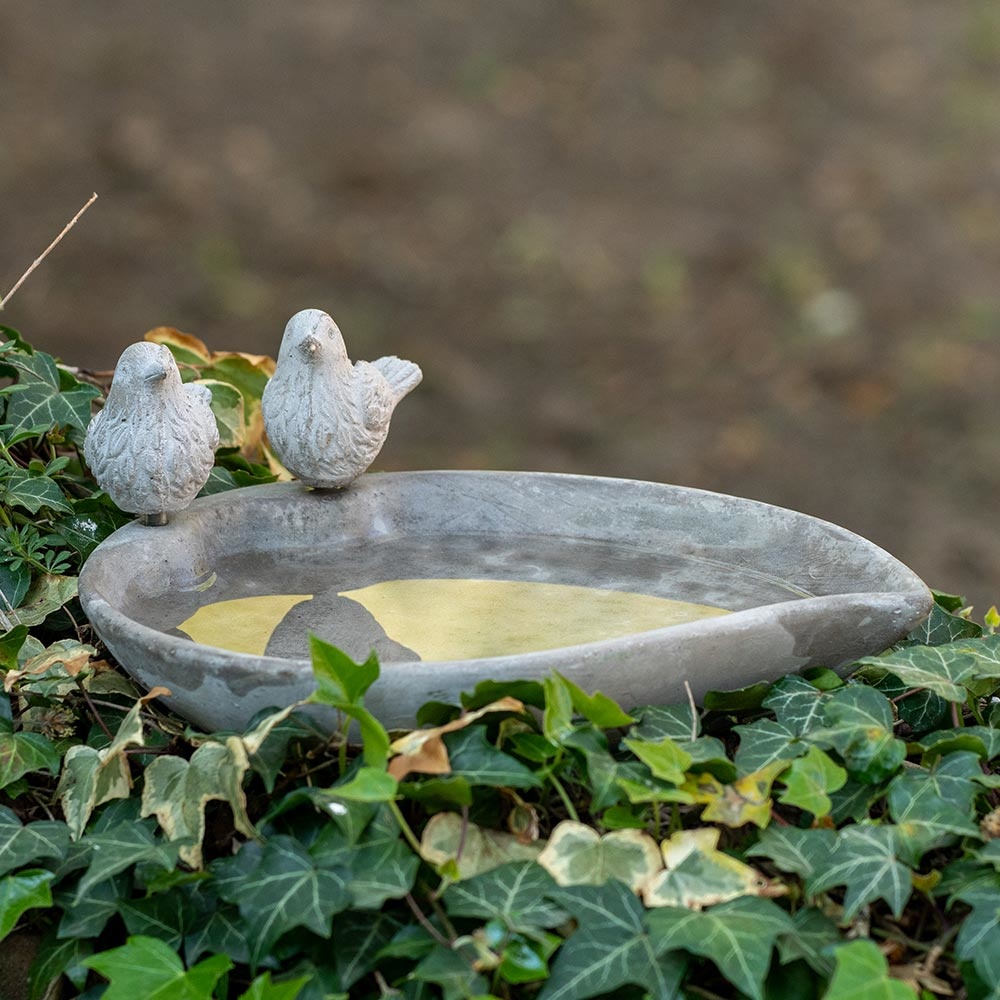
(325, 417)
(152, 447)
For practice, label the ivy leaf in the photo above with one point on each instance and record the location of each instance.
(263, 989)
(481, 763)
(865, 861)
(23, 753)
(279, 889)
(338, 677)
(57, 958)
(453, 970)
(48, 593)
(984, 741)
(577, 854)
(37, 408)
(359, 942)
(941, 669)
(737, 936)
(112, 851)
(665, 759)
(813, 937)
(941, 627)
(223, 933)
(176, 791)
(597, 708)
(147, 967)
(20, 845)
(671, 722)
(764, 742)
(22, 488)
(514, 893)
(857, 723)
(932, 807)
(980, 930)
(862, 973)
(797, 704)
(699, 875)
(165, 915)
(227, 408)
(91, 777)
(14, 585)
(611, 948)
(382, 867)
(19, 893)
(803, 852)
(809, 781)
(746, 800)
(471, 848)
(89, 917)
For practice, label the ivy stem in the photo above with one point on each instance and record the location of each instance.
(404, 827)
(98, 718)
(425, 923)
(564, 795)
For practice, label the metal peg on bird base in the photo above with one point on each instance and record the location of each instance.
(152, 447)
(325, 417)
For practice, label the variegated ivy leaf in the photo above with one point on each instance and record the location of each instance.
(941, 669)
(577, 854)
(471, 849)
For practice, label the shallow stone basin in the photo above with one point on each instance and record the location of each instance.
(456, 577)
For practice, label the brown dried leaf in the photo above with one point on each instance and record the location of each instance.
(424, 751)
(187, 349)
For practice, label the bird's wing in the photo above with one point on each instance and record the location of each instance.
(201, 396)
(402, 376)
(377, 397)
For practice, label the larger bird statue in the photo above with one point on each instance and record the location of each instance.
(325, 417)
(152, 447)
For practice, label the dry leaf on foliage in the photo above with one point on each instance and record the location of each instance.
(423, 750)
(73, 658)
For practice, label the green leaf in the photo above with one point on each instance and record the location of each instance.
(279, 888)
(488, 691)
(14, 585)
(804, 852)
(223, 933)
(263, 989)
(858, 725)
(514, 893)
(941, 669)
(809, 781)
(739, 700)
(865, 861)
(611, 948)
(166, 915)
(812, 938)
(339, 679)
(24, 753)
(738, 936)
(115, 850)
(452, 969)
(797, 704)
(33, 492)
(382, 866)
(57, 958)
(665, 759)
(47, 594)
(673, 722)
(557, 720)
(89, 917)
(481, 763)
(19, 893)
(227, 408)
(367, 784)
(984, 741)
(940, 627)
(38, 408)
(596, 708)
(933, 807)
(20, 845)
(359, 943)
(146, 967)
(862, 973)
(980, 930)
(764, 742)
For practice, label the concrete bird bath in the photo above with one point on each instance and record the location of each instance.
(632, 588)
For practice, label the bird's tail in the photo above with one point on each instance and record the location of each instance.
(402, 375)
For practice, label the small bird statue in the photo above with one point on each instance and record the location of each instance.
(152, 447)
(326, 418)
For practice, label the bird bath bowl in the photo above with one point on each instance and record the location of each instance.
(632, 588)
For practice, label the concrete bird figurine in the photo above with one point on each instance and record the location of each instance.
(326, 418)
(152, 447)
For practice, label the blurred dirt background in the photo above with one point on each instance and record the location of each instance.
(751, 246)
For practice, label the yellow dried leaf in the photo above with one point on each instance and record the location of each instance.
(746, 800)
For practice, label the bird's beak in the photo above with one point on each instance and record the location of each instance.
(309, 346)
(155, 373)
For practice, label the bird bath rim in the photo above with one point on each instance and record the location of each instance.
(877, 601)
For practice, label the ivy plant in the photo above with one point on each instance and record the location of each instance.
(821, 836)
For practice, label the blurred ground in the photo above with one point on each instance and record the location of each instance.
(747, 246)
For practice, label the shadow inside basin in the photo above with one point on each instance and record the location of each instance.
(451, 597)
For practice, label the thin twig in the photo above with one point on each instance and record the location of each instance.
(425, 923)
(98, 718)
(694, 711)
(69, 225)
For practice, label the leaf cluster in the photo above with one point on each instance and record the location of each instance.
(812, 837)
